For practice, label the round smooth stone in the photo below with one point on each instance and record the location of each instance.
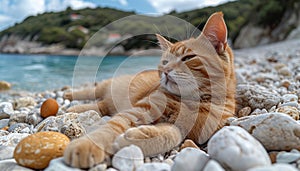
(37, 150)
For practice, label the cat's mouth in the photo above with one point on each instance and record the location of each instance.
(169, 79)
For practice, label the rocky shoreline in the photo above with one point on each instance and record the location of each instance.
(265, 135)
(30, 47)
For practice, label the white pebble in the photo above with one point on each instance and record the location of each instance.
(128, 158)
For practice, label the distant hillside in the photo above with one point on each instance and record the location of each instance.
(254, 20)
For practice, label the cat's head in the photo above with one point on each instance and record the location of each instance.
(196, 64)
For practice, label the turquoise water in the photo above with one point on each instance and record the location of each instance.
(49, 72)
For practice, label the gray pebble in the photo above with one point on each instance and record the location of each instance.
(293, 104)
(59, 94)
(60, 100)
(18, 127)
(235, 149)
(287, 157)
(12, 139)
(256, 97)
(6, 152)
(289, 98)
(212, 165)
(24, 102)
(191, 159)
(99, 167)
(276, 131)
(128, 158)
(3, 123)
(154, 166)
(17, 118)
(33, 118)
(6, 110)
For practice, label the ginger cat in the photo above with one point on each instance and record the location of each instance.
(190, 96)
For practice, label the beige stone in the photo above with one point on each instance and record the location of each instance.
(37, 150)
(4, 85)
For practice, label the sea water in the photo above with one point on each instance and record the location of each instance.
(38, 73)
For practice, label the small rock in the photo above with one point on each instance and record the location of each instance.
(17, 118)
(99, 167)
(3, 123)
(73, 125)
(67, 102)
(58, 164)
(154, 166)
(244, 112)
(72, 130)
(128, 158)
(287, 157)
(276, 131)
(293, 104)
(33, 118)
(3, 132)
(289, 98)
(255, 97)
(233, 143)
(291, 111)
(188, 143)
(285, 83)
(24, 102)
(6, 152)
(6, 109)
(18, 127)
(12, 139)
(279, 66)
(275, 167)
(169, 161)
(285, 71)
(49, 108)
(195, 158)
(11, 165)
(212, 165)
(273, 156)
(37, 150)
(229, 120)
(259, 112)
(60, 100)
(59, 94)
(240, 79)
(48, 95)
(4, 85)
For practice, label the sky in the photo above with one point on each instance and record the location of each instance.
(15, 11)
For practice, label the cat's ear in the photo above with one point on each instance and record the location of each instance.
(215, 31)
(164, 43)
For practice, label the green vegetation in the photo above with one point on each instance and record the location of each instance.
(73, 28)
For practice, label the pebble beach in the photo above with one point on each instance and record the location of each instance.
(264, 135)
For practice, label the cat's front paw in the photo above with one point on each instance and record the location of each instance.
(68, 95)
(83, 153)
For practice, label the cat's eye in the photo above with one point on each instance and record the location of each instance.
(164, 62)
(187, 57)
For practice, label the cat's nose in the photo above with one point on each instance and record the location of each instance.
(167, 71)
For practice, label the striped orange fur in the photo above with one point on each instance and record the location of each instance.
(190, 96)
